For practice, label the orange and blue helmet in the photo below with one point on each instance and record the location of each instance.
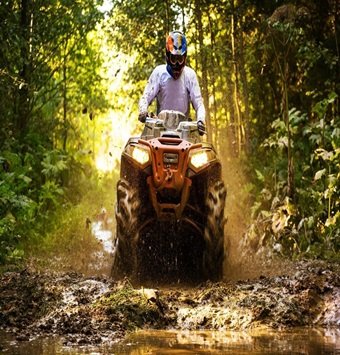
(176, 52)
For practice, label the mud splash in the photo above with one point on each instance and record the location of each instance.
(244, 259)
(97, 311)
(103, 235)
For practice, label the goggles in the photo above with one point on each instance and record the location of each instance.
(177, 58)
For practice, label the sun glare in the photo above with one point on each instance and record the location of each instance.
(119, 122)
(107, 6)
(111, 142)
(105, 163)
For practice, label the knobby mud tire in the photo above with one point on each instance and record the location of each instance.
(127, 218)
(214, 232)
(170, 252)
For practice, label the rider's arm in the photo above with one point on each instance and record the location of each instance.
(196, 97)
(150, 91)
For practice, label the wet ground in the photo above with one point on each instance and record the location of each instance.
(291, 341)
(96, 311)
(293, 309)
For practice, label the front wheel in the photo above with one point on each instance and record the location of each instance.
(127, 218)
(214, 231)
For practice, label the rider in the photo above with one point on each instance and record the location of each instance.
(174, 84)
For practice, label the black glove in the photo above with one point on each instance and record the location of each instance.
(142, 116)
(201, 128)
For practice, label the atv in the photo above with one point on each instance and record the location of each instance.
(170, 204)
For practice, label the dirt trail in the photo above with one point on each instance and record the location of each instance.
(97, 310)
(84, 308)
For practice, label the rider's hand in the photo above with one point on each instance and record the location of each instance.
(201, 128)
(142, 116)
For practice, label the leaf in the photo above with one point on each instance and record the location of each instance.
(280, 220)
(331, 221)
(332, 180)
(319, 174)
(289, 206)
(276, 201)
(324, 154)
(265, 214)
(259, 175)
(283, 142)
(25, 178)
(254, 209)
(301, 223)
(335, 133)
(315, 138)
(331, 97)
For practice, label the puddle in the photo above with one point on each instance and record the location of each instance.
(104, 236)
(301, 341)
(295, 341)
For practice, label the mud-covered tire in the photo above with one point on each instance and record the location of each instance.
(127, 219)
(170, 252)
(213, 255)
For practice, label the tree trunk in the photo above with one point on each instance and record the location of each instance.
(23, 107)
(284, 75)
(65, 124)
(245, 92)
(167, 14)
(239, 126)
(213, 83)
(183, 16)
(203, 57)
(229, 107)
(290, 166)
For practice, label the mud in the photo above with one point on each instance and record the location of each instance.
(97, 310)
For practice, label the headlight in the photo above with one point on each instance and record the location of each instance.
(199, 159)
(140, 155)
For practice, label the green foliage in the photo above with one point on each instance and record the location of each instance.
(49, 71)
(308, 224)
(17, 208)
(38, 215)
(258, 63)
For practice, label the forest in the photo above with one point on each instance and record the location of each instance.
(71, 75)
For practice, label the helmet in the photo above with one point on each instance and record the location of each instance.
(176, 53)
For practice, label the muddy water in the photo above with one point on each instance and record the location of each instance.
(306, 294)
(295, 341)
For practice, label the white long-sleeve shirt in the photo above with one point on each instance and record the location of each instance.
(173, 94)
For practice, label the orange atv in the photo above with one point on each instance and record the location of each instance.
(170, 204)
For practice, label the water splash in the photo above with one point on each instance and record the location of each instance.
(103, 235)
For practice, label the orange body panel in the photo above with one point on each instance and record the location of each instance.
(169, 175)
